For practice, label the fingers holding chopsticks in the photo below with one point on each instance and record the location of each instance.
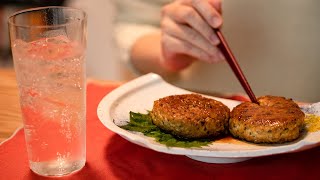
(188, 28)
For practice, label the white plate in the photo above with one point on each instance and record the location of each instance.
(139, 94)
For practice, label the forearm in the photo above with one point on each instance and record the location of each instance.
(146, 54)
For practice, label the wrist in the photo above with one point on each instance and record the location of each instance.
(175, 63)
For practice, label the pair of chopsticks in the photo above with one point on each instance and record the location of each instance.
(226, 51)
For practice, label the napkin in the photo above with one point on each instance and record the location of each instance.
(311, 108)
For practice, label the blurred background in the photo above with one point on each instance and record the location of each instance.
(277, 43)
(7, 7)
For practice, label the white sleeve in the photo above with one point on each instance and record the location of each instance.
(126, 34)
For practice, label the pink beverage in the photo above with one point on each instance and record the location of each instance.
(51, 78)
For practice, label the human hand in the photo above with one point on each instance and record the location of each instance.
(187, 33)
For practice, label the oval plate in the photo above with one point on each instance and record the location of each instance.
(139, 94)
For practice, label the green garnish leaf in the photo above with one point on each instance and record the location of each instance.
(143, 123)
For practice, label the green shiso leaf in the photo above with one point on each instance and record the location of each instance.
(143, 123)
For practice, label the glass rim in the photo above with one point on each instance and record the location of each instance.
(11, 23)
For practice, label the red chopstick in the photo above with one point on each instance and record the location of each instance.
(226, 51)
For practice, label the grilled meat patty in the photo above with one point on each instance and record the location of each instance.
(190, 116)
(274, 120)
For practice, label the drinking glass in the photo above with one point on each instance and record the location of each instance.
(48, 46)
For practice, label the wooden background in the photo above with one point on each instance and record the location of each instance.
(10, 114)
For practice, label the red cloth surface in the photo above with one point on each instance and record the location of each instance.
(111, 157)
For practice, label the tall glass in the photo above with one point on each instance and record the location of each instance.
(48, 47)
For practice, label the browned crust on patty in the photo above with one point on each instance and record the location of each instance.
(190, 116)
(274, 120)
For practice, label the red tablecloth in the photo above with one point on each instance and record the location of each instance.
(111, 157)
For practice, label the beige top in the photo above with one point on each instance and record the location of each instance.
(276, 43)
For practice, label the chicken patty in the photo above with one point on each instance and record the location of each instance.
(273, 120)
(191, 116)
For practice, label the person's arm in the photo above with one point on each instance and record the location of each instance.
(146, 52)
(147, 56)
